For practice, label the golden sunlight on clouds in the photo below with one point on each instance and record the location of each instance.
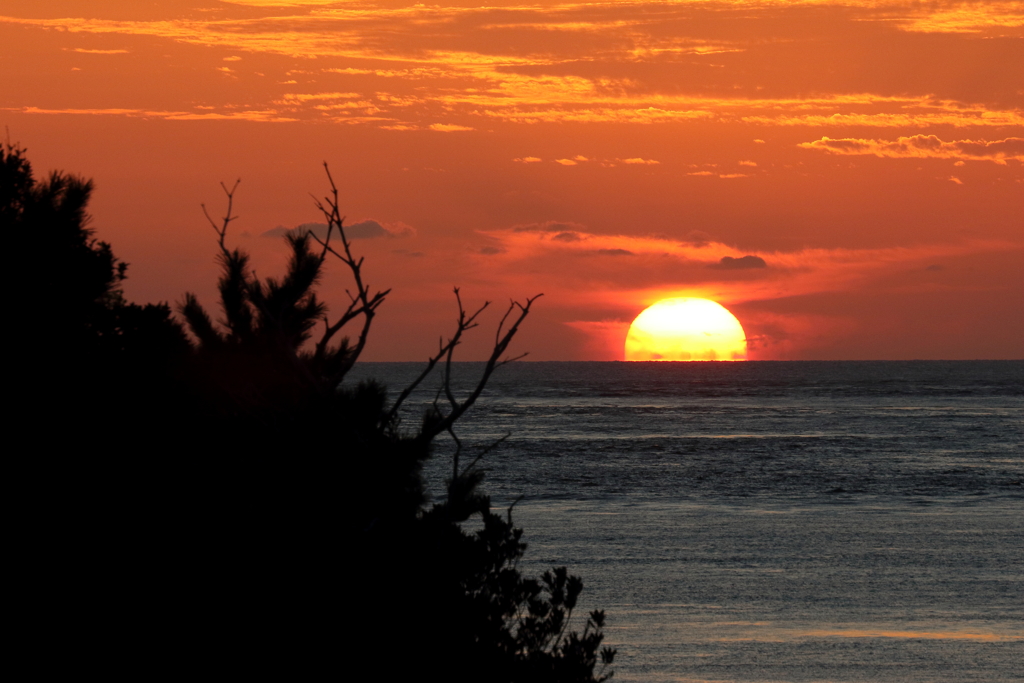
(925, 146)
(282, 3)
(968, 17)
(430, 49)
(84, 51)
(815, 165)
(448, 127)
(168, 115)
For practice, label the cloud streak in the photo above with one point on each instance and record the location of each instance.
(367, 229)
(925, 147)
(648, 268)
(742, 263)
(266, 116)
(510, 63)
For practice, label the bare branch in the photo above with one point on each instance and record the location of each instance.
(445, 349)
(501, 324)
(465, 323)
(222, 229)
(455, 456)
(495, 361)
(484, 452)
(362, 304)
(506, 361)
(431, 362)
(514, 503)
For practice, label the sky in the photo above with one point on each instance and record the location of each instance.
(846, 177)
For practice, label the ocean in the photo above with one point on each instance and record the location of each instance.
(766, 521)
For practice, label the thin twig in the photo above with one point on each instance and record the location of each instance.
(222, 230)
(484, 452)
(514, 503)
(431, 362)
(455, 456)
(362, 304)
(495, 361)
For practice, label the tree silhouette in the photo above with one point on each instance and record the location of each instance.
(85, 336)
(404, 557)
(228, 502)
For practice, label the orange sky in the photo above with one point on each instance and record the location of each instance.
(868, 153)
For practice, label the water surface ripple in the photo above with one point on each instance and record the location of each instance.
(773, 521)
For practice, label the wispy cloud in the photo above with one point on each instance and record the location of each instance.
(662, 265)
(449, 127)
(967, 17)
(365, 229)
(609, 278)
(263, 115)
(925, 146)
(434, 56)
(83, 50)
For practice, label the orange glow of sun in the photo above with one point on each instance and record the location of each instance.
(686, 328)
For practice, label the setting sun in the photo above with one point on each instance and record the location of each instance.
(686, 329)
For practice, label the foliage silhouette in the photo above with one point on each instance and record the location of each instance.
(244, 510)
(482, 620)
(88, 338)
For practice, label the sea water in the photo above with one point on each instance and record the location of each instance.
(766, 521)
